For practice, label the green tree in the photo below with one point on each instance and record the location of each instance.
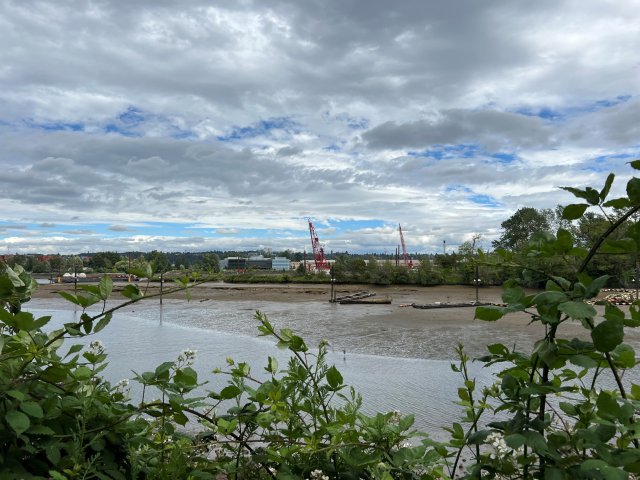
(56, 263)
(104, 261)
(211, 262)
(158, 260)
(357, 269)
(373, 268)
(517, 229)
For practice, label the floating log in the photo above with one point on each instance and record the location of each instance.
(427, 306)
(366, 301)
(354, 296)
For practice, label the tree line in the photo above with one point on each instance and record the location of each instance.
(470, 264)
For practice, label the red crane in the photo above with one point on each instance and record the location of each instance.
(407, 261)
(318, 251)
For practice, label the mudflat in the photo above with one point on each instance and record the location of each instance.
(396, 329)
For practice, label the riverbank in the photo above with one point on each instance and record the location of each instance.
(388, 330)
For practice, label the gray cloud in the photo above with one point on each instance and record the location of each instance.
(257, 114)
(120, 228)
(492, 129)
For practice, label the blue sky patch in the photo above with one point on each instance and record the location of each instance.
(560, 114)
(263, 127)
(133, 116)
(56, 126)
(484, 200)
(477, 198)
(439, 152)
(504, 157)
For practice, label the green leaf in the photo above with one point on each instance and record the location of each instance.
(18, 421)
(513, 295)
(564, 242)
(633, 190)
(583, 361)
(607, 335)
(103, 322)
(272, 366)
(577, 310)
(489, 314)
(552, 473)
(33, 409)
(13, 277)
(186, 376)
(515, 440)
(624, 356)
(498, 349)
(334, 378)
(549, 298)
(578, 193)
(635, 164)
(607, 186)
(70, 297)
(613, 473)
(82, 373)
(618, 203)
(132, 292)
(105, 287)
(623, 245)
(574, 211)
(229, 392)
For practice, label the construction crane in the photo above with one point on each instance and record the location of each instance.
(407, 261)
(318, 251)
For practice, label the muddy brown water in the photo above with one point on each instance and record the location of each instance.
(397, 357)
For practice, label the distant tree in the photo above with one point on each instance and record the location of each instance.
(182, 260)
(373, 268)
(158, 260)
(211, 262)
(425, 275)
(340, 270)
(104, 261)
(73, 263)
(357, 268)
(56, 262)
(518, 228)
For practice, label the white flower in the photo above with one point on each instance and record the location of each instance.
(496, 440)
(187, 357)
(318, 475)
(96, 347)
(395, 417)
(122, 386)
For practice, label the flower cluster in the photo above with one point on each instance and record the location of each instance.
(318, 475)
(187, 357)
(96, 347)
(395, 417)
(500, 447)
(122, 386)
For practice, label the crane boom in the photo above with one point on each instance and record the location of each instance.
(407, 261)
(318, 251)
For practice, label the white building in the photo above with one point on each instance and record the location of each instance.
(281, 263)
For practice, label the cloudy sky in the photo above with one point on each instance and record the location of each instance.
(199, 125)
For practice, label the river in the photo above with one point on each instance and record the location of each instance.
(379, 362)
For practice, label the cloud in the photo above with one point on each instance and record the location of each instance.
(121, 228)
(259, 115)
(78, 232)
(492, 129)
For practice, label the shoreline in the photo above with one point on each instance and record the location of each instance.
(386, 330)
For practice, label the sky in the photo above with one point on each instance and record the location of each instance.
(205, 125)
